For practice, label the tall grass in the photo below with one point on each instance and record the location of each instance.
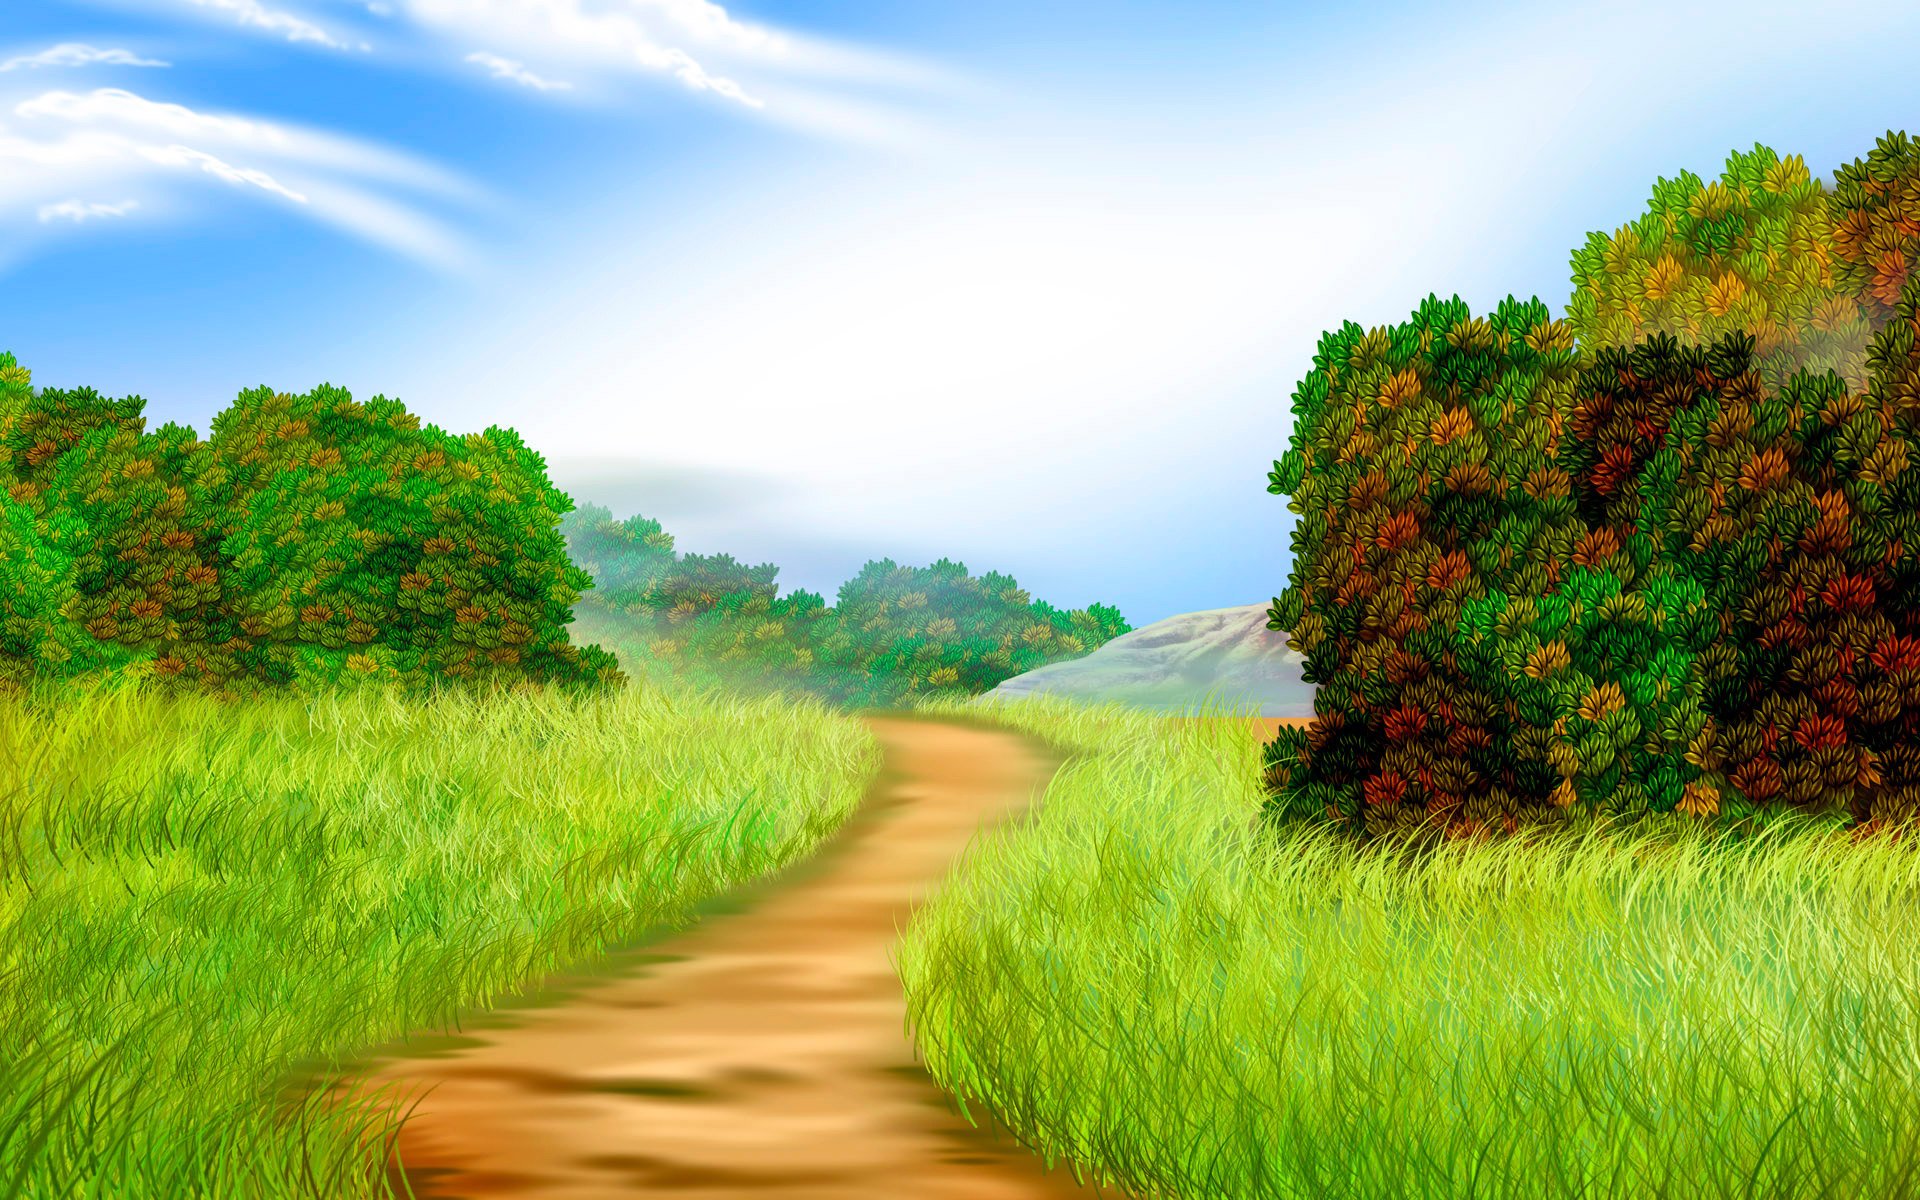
(1134, 978)
(196, 897)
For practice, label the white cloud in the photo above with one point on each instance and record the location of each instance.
(596, 42)
(711, 23)
(253, 14)
(78, 211)
(506, 68)
(121, 106)
(117, 107)
(78, 54)
(567, 28)
(70, 142)
(186, 156)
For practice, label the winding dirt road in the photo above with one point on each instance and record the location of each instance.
(761, 1053)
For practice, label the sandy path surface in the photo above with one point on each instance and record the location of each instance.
(762, 1053)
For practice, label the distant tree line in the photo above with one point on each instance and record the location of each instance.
(896, 633)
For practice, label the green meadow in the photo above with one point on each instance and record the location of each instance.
(1135, 977)
(198, 898)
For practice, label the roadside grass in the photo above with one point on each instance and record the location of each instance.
(1134, 979)
(196, 898)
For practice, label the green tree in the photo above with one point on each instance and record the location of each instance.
(147, 572)
(363, 545)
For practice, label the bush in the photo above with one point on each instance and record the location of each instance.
(1749, 253)
(147, 572)
(898, 633)
(1695, 583)
(1876, 215)
(363, 545)
(1422, 467)
(1800, 516)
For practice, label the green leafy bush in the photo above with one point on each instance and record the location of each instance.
(362, 545)
(897, 634)
(147, 577)
(35, 582)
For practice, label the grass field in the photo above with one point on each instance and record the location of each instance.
(1133, 979)
(196, 898)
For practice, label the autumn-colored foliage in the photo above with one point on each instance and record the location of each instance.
(1682, 576)
(1752, 252)
(1876, 223)
(1423, 471)
(147, 575)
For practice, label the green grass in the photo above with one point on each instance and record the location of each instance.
(1134, 979)
(197, 898)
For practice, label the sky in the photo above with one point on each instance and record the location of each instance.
(1028, 286)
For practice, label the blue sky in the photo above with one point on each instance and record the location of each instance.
(1024, 285)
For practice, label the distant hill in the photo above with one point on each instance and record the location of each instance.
(1170, 665)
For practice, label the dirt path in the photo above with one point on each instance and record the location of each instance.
(759, 1054)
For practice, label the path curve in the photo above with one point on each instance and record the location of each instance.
(760, 1054)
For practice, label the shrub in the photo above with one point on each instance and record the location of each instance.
(38, 428)
(35, 581)
(1422, 466)
(1699, 588)
(898, 633)
(625, 558)
(1752, 252)
(365, 546)
(1800, 516)
(36, 568)
(1876, 230)
(147, 571)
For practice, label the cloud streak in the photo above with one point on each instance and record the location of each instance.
(71, 142)
(254, 15)
(569, 29)
(78, 211)
(78, 54)
(506, 68)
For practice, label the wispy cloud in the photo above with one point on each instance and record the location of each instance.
(122, 106)
(78, 211)
(592, 44)
(255, 15)
(611, 34)
(78, 54)
(712, 24)
(506, 68)
(187, 156)
(112, 137)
